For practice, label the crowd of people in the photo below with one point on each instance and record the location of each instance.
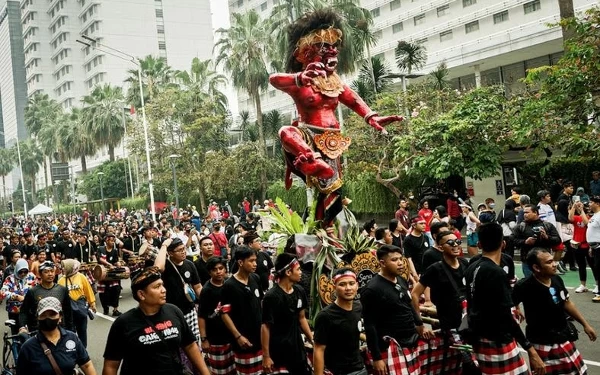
(213, 298)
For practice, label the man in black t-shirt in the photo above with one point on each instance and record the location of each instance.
(214, 336)
(337, 330)
(9, 249)
(29, 248)
(415, 245)
(547, 304)
(65, 245)
(434, 253)
(42, 244)
(489, 307)
(181, 280)
(264, 263)
(241, 312)
(207, 249)
(284, 319)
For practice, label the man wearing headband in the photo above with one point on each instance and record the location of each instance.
(392, 325)
(284, 319)
(46, 288)
(214, 336)
(337, 330)
(147, 339)
(241, 301)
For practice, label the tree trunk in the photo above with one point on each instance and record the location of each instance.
(202, 199)
(83, 165)
(262, 143)
(33, 191)
(371, 68)
(111, 153)
(47, 196)
(566, 10)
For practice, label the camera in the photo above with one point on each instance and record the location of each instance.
(536, 231)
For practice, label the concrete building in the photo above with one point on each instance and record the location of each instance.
(56, 64)
(13, 89)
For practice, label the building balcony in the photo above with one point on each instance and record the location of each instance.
(87, 7)
(25, 12)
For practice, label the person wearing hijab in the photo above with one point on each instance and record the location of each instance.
(81, 292)
(14, 288)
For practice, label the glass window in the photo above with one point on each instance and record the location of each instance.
(240, 3)
(159, 13)
(467, 3)
(395, 5)
(421, 41)
(375, 12)
(532, 6)
(471, 27)
(263, 6)
(420, 19)
(162, 45)
(377, 35)
(446, 35)
(443, 10)
(501, 17)
(397, 27)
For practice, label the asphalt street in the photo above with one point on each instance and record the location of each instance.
(98, 328)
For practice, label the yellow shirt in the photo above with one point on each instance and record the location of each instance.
(79, 286)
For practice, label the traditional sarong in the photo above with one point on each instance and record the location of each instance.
(399, 360)
(249, 363)
(495, 358)
(437, 358)
(561, 359)
(220, 360)
(191, 319)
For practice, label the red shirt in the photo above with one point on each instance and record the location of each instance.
(426, 214)
(454, 210)
(579, 229)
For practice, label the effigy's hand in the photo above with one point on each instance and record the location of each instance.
(378, 122)
(312, 70)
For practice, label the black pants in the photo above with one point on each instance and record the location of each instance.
(110, 297)
(583, 260)
(510, 246)
(570, 257)
(596, 267)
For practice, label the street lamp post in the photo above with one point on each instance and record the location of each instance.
(144, 120)
(100, 174)
(22, 179)
(172, 159)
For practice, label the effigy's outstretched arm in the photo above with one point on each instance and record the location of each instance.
(289, 82)
(353, 101)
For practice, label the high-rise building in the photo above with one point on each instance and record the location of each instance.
(481, 41)
(56, 64)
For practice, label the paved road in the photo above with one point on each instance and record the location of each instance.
(98, 328)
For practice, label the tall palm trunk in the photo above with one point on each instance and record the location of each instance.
(566, 10)
(262, 143)
(46, 180)
(83, 165)
(33, 191)
(111, 153)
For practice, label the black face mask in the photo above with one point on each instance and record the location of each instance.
(47, 324)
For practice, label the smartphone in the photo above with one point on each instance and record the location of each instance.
(576, 198)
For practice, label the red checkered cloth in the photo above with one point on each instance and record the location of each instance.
(220, 360)
(399, 360)
(561, 359)
(437, 358)
(248, 363)
(495, 358)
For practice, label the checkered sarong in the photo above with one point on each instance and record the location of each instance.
(191, 319)
(220, 360)
(561, 359)
(248, 363)
(399, 360)
(437, 358)
(495, 358)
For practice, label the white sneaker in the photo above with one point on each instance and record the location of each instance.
(581, 289)
(595, 289)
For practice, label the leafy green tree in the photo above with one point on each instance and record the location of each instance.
(114, 181)
(364, 84)
(438, 78)
(410, 56)
(40, 111)
(75, 142)
(203, 79)
(7, 163)
(31, 161)
(102, 116)
(242, 49)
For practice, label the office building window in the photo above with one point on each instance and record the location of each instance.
(467, 3)
(377, 35)
(375, 12)
(421, 41)
(395, 5)
(240, 3)
(159, 13)
(471, 27)
(263, 6)
(501, 17)
(397, 27)
(420, 19)
(443, 10)
(160, 29)
(162, 45)
(272, 94)
(446, 35)
(532, 6)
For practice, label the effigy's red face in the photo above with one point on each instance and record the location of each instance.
(327, 54)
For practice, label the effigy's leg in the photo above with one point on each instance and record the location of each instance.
(307, 161)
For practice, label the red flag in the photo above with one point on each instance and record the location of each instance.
(132, 110)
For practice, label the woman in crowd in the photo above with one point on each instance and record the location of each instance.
(65, 350)
(14, 288)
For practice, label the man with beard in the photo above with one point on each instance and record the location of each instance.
(214, 336)
(241, 312)
(284, 320)
(337, 330)
(207, 249)
(392, 325)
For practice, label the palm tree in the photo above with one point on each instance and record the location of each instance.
(31, 160)
(242, 49)
(439, 76)
(410, 56)
(103, 116)
(204, 80)
(7, 163)
(47, 140)
(39, 111)
(372, 79)
(156, 76)
(75, 141)
(273, 121)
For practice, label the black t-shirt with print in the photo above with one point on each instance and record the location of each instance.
(506, 263)
(216, 332)
(146, 349)
(544, 309)
(264, 265)
(202, 270)
(281, 312)
(443, 294)
(245, 308)
(339, 331)
(414, 248)
(174, 285)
